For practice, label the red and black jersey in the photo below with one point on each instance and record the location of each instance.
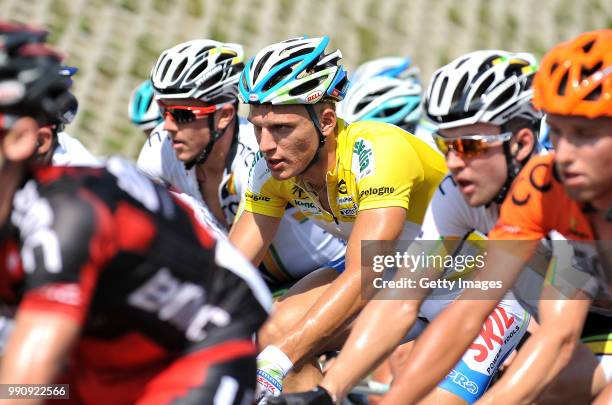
(128, 261)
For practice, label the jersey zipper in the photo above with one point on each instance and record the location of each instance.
(317, 202)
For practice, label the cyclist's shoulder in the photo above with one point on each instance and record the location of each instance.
(538, 180)
(389, 140)
(376, 132)
(451, 215)
(71, 152)
(246, 147)
(156, 139)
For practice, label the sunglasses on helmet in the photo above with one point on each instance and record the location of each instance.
(468, 146)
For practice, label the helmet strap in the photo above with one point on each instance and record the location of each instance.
(214, 135)
(514, 166)
(322, 139)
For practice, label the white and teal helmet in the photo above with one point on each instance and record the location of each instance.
(385, 99)
(391, 66)
(295, 71)
(143, 109)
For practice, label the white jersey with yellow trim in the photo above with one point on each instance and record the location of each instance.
(299, 246)
(450, 217)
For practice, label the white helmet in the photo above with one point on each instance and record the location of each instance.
(383, 99)
(491, 87)
(295, 71)
(203, 69)
(392, 66)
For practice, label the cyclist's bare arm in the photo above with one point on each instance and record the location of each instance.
(445, 340)
(544, 355)
(252, 235)
(605, 397)
(378, 331)
(38, 349)
(342, 299)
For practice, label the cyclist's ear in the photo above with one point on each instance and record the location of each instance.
(328, 120)
(524, 144)
(44, 141)
(224, 116)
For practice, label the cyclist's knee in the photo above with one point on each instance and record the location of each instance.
(278, 325)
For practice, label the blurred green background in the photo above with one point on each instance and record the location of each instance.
(115, 43)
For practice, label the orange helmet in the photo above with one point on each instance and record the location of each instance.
(575, 77)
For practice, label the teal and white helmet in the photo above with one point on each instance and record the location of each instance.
(385, 99)
(295, 71)
(143, 109)
(392, 66)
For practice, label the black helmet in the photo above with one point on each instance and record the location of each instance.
(30, 81)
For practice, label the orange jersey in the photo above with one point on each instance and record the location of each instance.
(537, 204)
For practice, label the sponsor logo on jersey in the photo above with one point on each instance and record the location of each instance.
(363, 158)
(180, 303)
(342, 187)
(463, 381)
(345, 200)
(307, 207)
(498, 330)
(256, 159)
(383, 190)
(255, 197)
(349, 212)
(298, 192)
(313, 96)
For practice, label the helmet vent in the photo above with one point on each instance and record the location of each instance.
(198, 71)
(179, 69)
(165, 70)
(488, 63)
(442, 89)
(514, 69)
(389, 112)
(296, 54)
(585, 73)
(280, 75)
(484, 86)
(553, 67)
(211, 81)
(595, 94)
(459, 89)
(504, 97)
(563, 84)
(260, 65)
(587, 47)
(224, 56)
(305, 87)
(461, 62)
(203, 50)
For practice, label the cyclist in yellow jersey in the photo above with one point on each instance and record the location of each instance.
(365, 181)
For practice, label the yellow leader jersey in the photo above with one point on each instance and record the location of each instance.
(378, 165)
